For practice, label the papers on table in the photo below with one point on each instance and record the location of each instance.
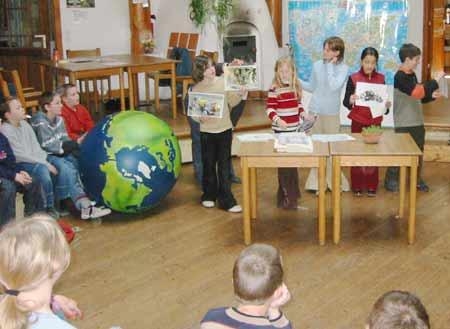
(372, 95)
(326, 138)
(255, 137)
(293, 142)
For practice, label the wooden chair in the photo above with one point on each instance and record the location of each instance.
(84, 54)
(26, 95)
(180, 40)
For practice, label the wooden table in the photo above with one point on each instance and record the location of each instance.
(396, 150)
(262, 155)
(114, 65)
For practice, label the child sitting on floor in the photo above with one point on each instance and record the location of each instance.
(259, 289)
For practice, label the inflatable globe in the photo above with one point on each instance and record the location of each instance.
(130, 161)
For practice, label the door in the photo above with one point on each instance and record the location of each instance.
(433, 58)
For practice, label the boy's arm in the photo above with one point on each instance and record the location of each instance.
(349, 90)
(47, 139)
(407, 83)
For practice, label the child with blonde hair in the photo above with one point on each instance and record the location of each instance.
(33, 255)
(285, 110)
(398, 310)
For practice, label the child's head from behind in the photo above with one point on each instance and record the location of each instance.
(409, 55)
(369, 60)
(50, 102)
(257, 274)
(69, 94)
(334, 47)
(12, 110)
(398, 310)
(33, 255)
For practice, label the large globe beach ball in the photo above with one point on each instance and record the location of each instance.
(130, 161)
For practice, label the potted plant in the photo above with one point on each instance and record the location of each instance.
(216, 11)
(372, 134)
(148, 45)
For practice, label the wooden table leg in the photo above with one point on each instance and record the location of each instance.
(336, 196)
(412, 202)
(136, 89)
(130, 89)
(253, 200)
(174, 92)
(122, 91)
(321, 201)
(402, 187)
(246, 201)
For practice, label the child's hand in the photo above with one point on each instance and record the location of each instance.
(281, 123)
(237, 62)
(438, 75)
(353, 99)
(280, 298)
(388, 104)
(68, 306)
(52, 169)
(436, 94)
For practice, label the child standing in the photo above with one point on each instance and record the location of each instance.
(33, 255)
(259, 289)
(363, 178)
(284, 109)
(52, 136)
(327, 80)
(398, 310)
(215, 138)
(408, 116)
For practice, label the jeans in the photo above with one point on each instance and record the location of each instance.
(216, 154)
(40, 173)
(32, 199)
(67, 182)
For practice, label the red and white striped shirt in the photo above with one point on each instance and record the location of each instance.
(284, 104)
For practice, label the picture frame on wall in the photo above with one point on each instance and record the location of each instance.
(80, 3)
(205, 105)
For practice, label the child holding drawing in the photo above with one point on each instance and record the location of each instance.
(364, 178)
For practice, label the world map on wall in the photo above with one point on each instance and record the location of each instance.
(382, 24)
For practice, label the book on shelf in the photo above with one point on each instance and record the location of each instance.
(293, 142)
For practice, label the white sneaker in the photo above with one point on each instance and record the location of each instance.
(237, 208)
(208, 204)
(94, 212)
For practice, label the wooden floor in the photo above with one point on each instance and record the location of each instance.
(165, 269)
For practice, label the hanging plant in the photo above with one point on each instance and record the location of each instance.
(216, 11)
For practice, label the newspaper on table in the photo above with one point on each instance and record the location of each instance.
(293, 142)
(205, 105)
(255, 137)
(239, 77)
(372, 95)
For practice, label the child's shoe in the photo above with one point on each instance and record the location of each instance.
(52, 212)
(357, 193)
(235, 209)
(422, 186)
(208, 204)
(94, 212)
(371, 193)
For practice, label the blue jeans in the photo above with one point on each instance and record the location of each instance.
(67, 182)
(32, 199)
(40, 174)
(196, 149)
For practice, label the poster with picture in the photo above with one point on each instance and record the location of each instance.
(205, 105)
(80, 3)
(239, 77)
(372, 95)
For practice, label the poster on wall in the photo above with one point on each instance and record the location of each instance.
(80, 3)
(380, 24)
(377, 23)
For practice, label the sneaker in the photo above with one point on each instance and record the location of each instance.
(94, 212)
(208, 204)
(235, 180)
(371, 193)
(422, 186)
(235, 209)
(52, 212)
(357, 193)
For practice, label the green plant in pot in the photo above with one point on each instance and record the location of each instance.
(372, 134)
(216, 11)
